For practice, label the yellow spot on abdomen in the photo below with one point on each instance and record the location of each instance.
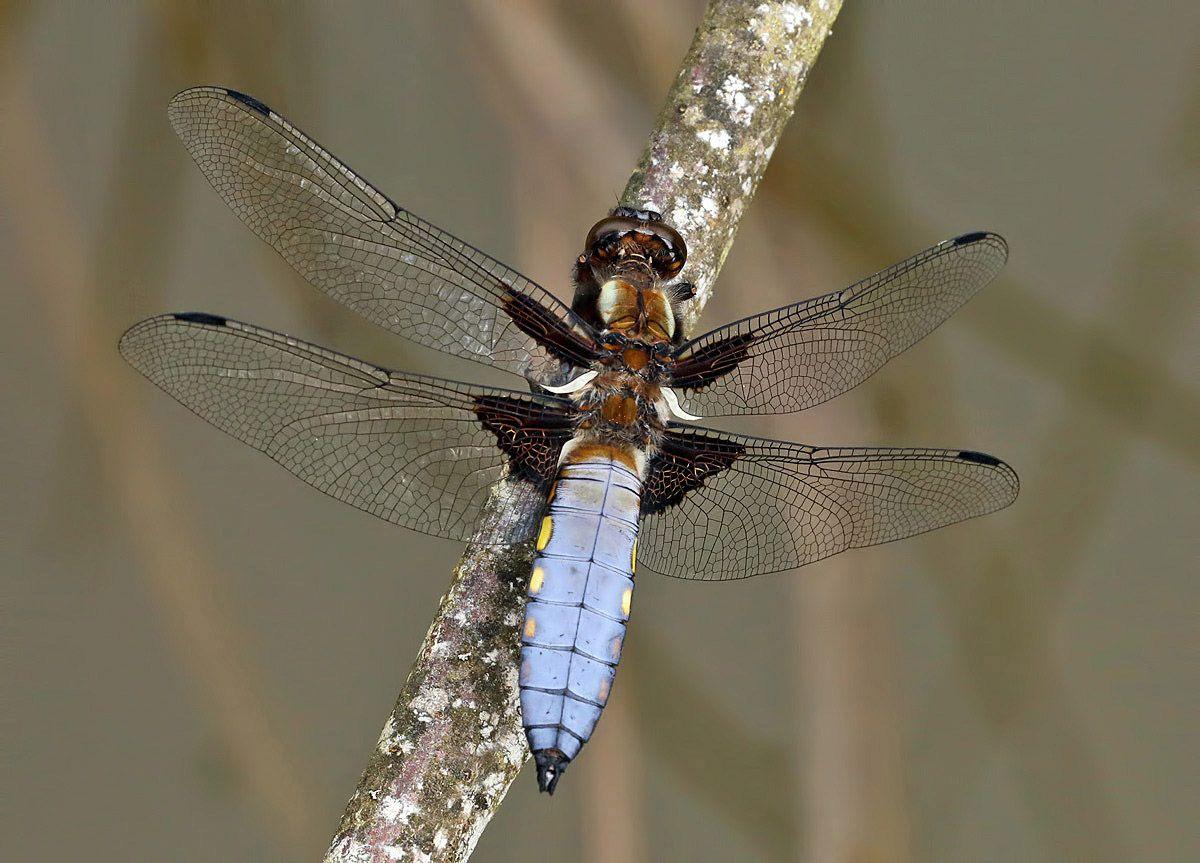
(544, 534)
(633, 560)
(626, 600)
(530, 627)
(535, 580)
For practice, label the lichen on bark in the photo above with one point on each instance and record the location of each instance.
(721, 121)
(453, 742)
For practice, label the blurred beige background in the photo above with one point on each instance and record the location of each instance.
(186, 624)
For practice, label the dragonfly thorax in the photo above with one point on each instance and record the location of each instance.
(638, 312)
(621, 409)
(636, 360)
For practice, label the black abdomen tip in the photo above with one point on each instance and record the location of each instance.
(201, 318)
(551, 764)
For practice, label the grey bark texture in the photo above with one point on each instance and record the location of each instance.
(453, 743)
(719, 126)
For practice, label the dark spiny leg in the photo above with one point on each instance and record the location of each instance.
(550, 766)
(683, 291)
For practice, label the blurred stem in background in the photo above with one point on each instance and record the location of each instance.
(183, 580)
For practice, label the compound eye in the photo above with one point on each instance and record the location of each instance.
(673, 240)
(613, 225)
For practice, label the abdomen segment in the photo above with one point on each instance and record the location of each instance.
(579, 597)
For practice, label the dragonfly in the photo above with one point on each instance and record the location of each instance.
(605, 426)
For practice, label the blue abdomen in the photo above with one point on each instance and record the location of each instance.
(578, 601)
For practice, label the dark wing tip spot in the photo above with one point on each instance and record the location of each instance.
(979, 458)
(249, 101)
(973, 237)
(201, 318)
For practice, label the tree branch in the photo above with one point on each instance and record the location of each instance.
(453, 743)
(722, 119)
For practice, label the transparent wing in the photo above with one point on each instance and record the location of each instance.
(718, 506)
(797, 356)
(418, 452)
(351, 241)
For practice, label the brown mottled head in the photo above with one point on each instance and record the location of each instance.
(620, 279)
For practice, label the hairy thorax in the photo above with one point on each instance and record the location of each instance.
(624, 404)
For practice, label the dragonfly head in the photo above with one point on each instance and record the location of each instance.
(630, 236)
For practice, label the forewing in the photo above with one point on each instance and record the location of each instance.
(351, 241)
(718, 506)
(798, 356)
(416, 451)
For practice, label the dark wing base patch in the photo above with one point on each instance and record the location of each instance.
(548, 330)
(684, 461)
(532, 436)
(712, 361)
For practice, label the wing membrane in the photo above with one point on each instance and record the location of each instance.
(416, 451)
(355, 244)
(797, 356)
(719, 506)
